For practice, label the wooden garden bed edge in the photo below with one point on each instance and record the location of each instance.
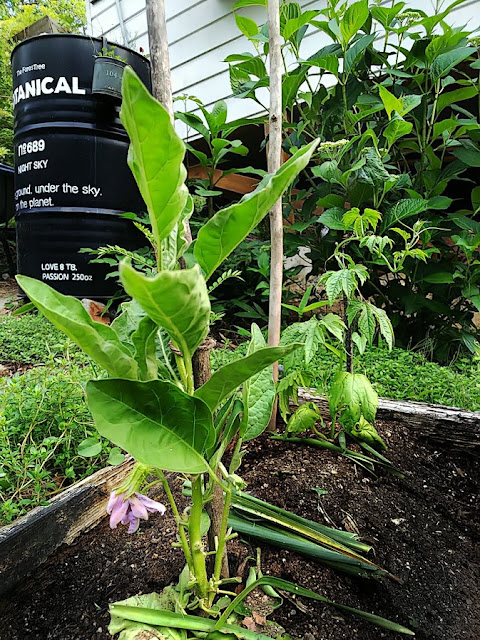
(32, 538)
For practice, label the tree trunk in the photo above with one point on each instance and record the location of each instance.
(274, 162)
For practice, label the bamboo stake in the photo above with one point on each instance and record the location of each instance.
(273, 162)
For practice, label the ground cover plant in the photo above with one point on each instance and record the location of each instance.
(398, 374)
(47, 436)
(151, 405)
(62, 369)
(32, 339)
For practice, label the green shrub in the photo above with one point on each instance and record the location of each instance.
(43, 419)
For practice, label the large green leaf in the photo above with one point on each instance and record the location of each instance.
(469, 153)
(175, 300)
(222, 233)
(446, 61)
(353, 20)
(354, 51)
(98, 340)
(156, 422)
(155, 155)
(144, 340)
(465, 93)
(228, 378)
(401, 210)
(258, 393)
(396, 129)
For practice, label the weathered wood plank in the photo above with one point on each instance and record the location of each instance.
(447, 425)
(31, 539)
(233, 182)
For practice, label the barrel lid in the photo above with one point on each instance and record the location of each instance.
(6, 167)
(75, 35)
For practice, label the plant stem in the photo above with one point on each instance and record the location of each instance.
(176, 513)
(190, 388)
(222, 535)
(182, 371)
(196, 544)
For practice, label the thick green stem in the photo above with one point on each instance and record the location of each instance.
(195, 534)
(182, 371)
(176, 513)
(190, 386)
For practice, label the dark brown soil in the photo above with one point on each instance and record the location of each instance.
(424, 530)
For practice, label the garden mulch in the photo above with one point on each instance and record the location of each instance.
(424, 528)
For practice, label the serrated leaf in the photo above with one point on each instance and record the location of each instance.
(354, 307)
(403, 209)
(313, 338)
(366, 324)
(333, 218)
(333, 324)
(360, 341)
(155, 422)
(258, 393)
(397, 128)
(294, 24)
(354, 392)
(246, 25)
(384, 324)
(338, 283)
(353, 20)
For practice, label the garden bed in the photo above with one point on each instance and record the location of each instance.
(423, 528)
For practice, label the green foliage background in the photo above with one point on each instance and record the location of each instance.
(15, 16)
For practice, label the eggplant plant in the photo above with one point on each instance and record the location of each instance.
(147, 403)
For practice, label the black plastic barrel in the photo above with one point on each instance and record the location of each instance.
(7, 207)
(71, 175)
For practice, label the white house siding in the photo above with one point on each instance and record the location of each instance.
(202, 33)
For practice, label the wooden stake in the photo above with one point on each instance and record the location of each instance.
(160, 68)
(159, 56)
(273, 162)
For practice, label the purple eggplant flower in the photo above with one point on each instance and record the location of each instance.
(131, 510)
